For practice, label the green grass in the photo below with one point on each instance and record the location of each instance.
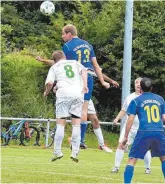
(32, 165)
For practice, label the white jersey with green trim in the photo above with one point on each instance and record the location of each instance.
(126, 103)
(68, 74)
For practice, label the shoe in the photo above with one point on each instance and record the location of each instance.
(56, 157)
(147, 171)
(115, 170)
(74, 157)
(105, 148)
(83, 146)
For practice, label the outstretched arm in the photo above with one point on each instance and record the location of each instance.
(111, 81)
(119, 116)
(45, 61)
(99, 72)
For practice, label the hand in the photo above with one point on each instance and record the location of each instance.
(55, 89)
(124, 142)
(45, 94)
(85, 89)
(106, 85)
(39, 58)
(115, 84)
(115, 121)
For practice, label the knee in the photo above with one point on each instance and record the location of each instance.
(95, 122)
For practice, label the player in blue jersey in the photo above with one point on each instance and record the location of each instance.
(80, 50)
(150, 109)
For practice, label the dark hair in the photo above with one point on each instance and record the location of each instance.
(57, 55)
(146, 84)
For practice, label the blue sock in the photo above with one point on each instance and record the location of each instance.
(128, 173)
(83, 130)
(163, 168)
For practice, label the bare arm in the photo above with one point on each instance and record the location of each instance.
(84, 77)
(48, 87)
(99, 72)
(163, 118)
(114, 83)
(128, 127)
(121, 114)
(45, 61)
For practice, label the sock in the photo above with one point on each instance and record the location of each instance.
(163, 168)
(119, 157)
(75, 141)
(99, 136)
(147, 159)
(83, 131)
(128, 173)
(58, 138)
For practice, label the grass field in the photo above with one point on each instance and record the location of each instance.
(33, 165)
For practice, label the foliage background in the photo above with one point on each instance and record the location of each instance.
(26, 33)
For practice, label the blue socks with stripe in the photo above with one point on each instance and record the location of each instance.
(128, 174)
(83, 130)
(163, 167)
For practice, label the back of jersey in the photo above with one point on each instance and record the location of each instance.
(150, 108)
(79, 50)
(69, 78)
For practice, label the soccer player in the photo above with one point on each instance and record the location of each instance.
(120, 149)
(80, 50)
(150, 109)
(71, 79)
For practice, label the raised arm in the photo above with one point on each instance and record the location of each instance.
(99, 72)
(45, 61)
(111, 81)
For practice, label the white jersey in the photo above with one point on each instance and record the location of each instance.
(127, 101)
(67, 73)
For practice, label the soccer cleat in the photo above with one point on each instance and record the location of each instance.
(74, 157)
(115, 170)
(83, 146)
(105, 148)
(56, 157)
(147, 171)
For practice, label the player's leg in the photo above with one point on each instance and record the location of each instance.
(147, 162)
(119, 152)
(75, 140)
(75, 111)
(84, 123)
(92, 116)
(58, 138)
(162, 159)
(62, 111)
(129, 170)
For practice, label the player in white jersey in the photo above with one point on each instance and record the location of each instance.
(120, 150)
(71, 79)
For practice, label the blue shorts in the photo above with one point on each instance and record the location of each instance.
(90, 81)
(148, 140)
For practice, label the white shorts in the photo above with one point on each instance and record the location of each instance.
(66, 106)
(131, 135)
(91, 108)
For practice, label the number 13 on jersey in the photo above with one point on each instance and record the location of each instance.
(83, 54)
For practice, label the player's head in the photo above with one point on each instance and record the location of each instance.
(137, 84)
(68, 32)
(58, 55)
(146, 84)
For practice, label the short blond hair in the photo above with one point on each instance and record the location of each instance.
(70, 28)
(57, 55)
(138, 79)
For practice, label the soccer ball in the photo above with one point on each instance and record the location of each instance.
(47, 7)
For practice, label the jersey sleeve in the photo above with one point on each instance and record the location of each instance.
(125, 105)
(132, 108)
(65, 49)
(51, 77)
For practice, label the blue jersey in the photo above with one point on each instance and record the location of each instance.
(149, 107)
(80, 50)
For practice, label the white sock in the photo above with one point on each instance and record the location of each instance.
(75, 140)
(99, 136)
(147, 159)
(58, 138)
(118, 157)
